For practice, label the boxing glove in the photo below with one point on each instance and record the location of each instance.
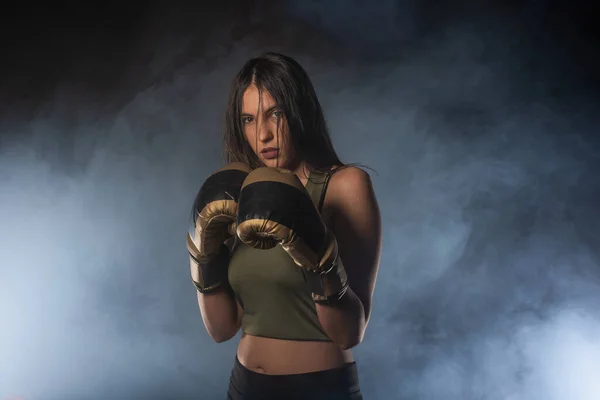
(276, 210)
(212, 223)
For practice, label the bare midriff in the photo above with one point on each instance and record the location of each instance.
(283, 357)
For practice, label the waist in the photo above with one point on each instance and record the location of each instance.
(337, 383)
(281, 357)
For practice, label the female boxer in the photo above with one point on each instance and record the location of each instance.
(285, 242)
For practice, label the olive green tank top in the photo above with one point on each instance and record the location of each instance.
(271, 288)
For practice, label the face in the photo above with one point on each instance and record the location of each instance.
(266, 129)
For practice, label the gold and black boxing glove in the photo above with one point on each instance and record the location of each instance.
(275, 209)
(213, 222)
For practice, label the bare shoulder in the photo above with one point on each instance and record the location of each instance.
(350, 182)
(350, 196)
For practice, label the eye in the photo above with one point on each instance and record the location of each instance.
(277, 114)
(246, 120)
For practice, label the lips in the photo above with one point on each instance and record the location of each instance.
(270, 153)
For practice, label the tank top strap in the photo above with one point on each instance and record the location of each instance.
(317, 186)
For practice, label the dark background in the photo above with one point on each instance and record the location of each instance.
(479, 119)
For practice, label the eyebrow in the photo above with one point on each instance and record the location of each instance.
(267, 111)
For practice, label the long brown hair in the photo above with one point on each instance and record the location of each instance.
(289, 85)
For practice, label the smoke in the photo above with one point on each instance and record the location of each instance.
(484, 170)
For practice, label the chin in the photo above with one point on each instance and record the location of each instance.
(274, 162)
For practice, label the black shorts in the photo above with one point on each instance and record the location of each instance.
(332, 384)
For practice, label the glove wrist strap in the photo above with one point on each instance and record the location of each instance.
(329, 281)
(328, 287)
(211, 272)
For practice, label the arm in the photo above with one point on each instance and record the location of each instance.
(220, 311)
(209, 241)
(221, 314)
(357, 227)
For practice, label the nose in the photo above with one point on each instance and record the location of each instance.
(265, 133)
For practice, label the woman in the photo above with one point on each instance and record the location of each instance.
(299, 318)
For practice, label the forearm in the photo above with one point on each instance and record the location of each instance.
(344, 321)
(220, 314)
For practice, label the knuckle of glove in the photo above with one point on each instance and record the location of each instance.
(214, 212)
(215, 207)
(274, 207)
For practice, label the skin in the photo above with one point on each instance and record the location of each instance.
(261, 129)
(351, 212)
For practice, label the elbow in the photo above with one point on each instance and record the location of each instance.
(220, 337)
(222, 333)
(354, 336)
(350, 337)
(347, 345)
(351, 341)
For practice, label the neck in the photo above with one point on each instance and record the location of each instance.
(301, 170)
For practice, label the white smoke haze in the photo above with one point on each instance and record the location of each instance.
(489, 281)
